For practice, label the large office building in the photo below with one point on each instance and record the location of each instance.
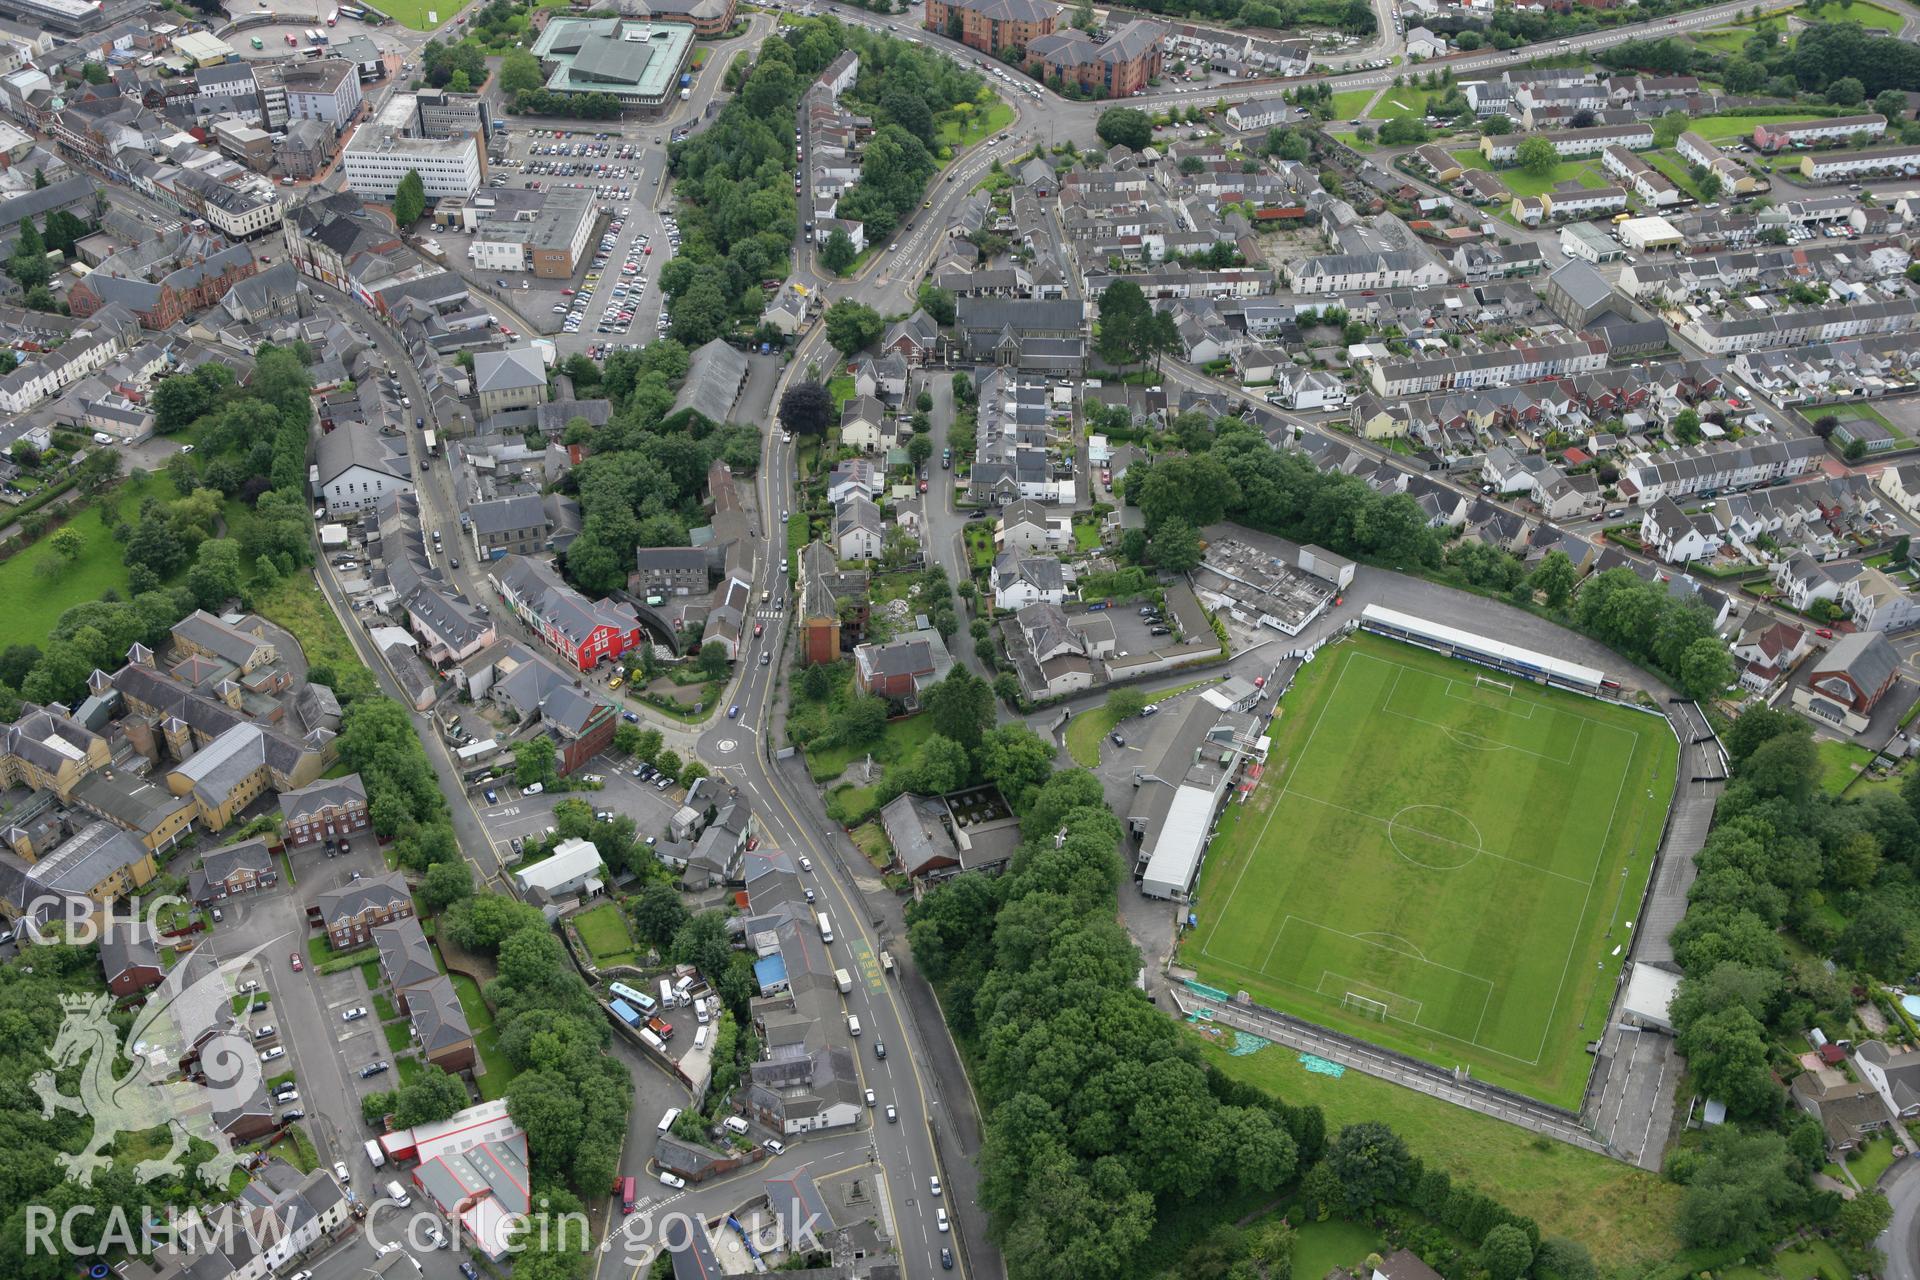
(382, 153)
(639, 63)
(992, 25)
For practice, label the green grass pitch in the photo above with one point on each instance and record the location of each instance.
(1438, 865)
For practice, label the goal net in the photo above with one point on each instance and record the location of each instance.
(1488, 682)
(1365, 1006)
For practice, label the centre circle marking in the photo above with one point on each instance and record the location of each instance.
(725, 746)
(1425, 826)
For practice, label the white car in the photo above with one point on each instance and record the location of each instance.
(274, 1054)
(806, 863)
(670, 1180)
(354, 1015)
(940, 1219)
(934, 1184)
(340, 1172)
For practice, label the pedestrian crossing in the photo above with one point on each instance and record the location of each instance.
(770, 615)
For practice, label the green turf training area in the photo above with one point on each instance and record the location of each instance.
(1441, 861)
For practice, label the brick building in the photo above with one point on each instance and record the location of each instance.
(992, 25)
(1124, 62)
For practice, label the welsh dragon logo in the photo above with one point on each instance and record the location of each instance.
(189, 1009)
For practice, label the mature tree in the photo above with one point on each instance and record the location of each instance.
(1740, 1187)
(1125, 703)
(1706, 668)
(838, 253)
(658, 914)
(853, 326)
(1125, 321)
(533, 760)
(1846, 92)
(1892, 104)
(938, 765)
(1174, 546)
(960, 706)
(519, 70)
(434, 1095)
(713, 661)
(1727, 1053)
(409, 200)
(862, 721)
(1864, 1217)
(807, 409)
(1125, 127)
(1537, 156)
(445, 884)
(936, 302)
(1496, 126)
(1555, 579)
(1015, 759)
(1371, 1163)
(1506, 1252)
(486, 920)
(1561, 1259)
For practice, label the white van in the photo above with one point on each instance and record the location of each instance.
(666, 994)
(700, 1038)
(375, 1156)
(853, 1024)
(735, 1124)
(668, 1117)
(398, 1194)
(700, 1011)
(826, 928)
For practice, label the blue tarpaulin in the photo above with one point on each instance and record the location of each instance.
(1320, 1066)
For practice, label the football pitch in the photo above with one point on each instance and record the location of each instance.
(1439, 861)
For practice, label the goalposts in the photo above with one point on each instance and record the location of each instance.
(1504, 686)
(1365, 1006)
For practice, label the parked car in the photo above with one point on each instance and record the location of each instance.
(372, 1069)
(354, 1014)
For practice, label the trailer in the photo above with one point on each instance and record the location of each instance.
(625, 1012)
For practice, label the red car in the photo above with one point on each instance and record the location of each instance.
(758, 627)
(294, 959)
(1824, 633)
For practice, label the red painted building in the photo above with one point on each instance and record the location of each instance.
(585, 632)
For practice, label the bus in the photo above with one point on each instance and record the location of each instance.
(351, 11)
(333, 18)
(313, 37)
(624, 1011)
(639, 1000)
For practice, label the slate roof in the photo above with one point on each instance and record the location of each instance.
(715, 373)
(509, 370)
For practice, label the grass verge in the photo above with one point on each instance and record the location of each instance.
(1624, 1215)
